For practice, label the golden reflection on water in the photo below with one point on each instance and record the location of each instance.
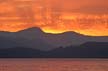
(53, 65)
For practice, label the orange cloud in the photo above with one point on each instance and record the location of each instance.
(16, 15)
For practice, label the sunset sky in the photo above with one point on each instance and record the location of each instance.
(88, 17)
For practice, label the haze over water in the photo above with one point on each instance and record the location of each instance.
(53, 64)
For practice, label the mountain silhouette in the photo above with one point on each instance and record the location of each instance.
(30, 38)
(34, 31)
(35, 38)
(20, 52)
(86, 50)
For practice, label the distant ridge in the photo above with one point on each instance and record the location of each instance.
(37, 39)
(35, 29)
(86, 50)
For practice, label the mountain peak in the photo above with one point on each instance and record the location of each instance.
(32, 30)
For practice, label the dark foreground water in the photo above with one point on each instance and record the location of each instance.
(53, 64)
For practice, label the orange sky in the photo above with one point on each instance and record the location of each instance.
(87, 17)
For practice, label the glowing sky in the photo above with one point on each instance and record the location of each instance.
(89, 17)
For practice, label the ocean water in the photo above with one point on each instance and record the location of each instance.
(48, 64)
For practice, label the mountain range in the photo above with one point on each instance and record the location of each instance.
(34, 43)
(35, 38)
(86, 50)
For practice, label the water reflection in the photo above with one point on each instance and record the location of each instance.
(53, 65)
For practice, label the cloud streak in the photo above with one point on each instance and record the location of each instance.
(55, 16)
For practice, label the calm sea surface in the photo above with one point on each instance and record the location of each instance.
(53, 64)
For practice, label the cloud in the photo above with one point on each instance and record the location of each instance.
(55, 15)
